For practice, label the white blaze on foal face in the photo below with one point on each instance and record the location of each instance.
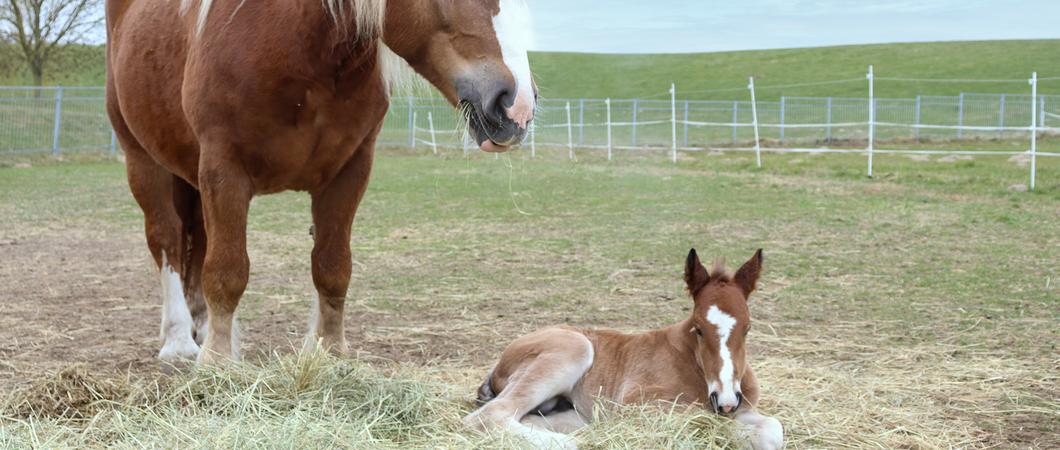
(512, 25)
(725, 387)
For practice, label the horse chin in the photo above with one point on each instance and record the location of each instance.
(485, 142)
(492, 147)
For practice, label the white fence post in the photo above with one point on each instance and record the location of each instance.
(1001, 117)
(430, 124)
(412, 124)
(916, 130)
(735, 117)
(57, 124)
(636, 103)
(782, 102)
(570, 136)
(673, 122)
(113, 143)
(581, 121)
(872, 117)
(533, 145)
(413, 128)
(960, 115)
(608, 103)
(1034, 125)
(1041, 117)
(828, 130)
(754, 121)
(686, 125)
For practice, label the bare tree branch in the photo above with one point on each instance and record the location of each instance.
(40, 28)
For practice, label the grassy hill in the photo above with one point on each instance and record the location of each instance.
(574, 75)
(627, 76)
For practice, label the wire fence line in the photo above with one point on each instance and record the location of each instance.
(67, 119)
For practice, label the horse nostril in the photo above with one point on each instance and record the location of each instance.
(500, 105)
(739, 401)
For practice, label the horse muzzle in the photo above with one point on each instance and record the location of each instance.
(725, 407)
(498, 115)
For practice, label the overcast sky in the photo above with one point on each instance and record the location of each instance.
(675, 26)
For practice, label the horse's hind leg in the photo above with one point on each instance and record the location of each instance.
(562, 358)
(189, 206)
(153, 187)
(334, 208)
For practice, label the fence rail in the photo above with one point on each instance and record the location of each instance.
(63, 119)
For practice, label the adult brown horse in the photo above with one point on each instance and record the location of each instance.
(216, 101)
(547, 382)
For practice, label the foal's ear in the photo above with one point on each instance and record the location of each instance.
(696, 275)
(747, 276)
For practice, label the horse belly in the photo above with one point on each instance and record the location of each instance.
(146, 59)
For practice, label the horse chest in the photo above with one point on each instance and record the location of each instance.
(311, 140)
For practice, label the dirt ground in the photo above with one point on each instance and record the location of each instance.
(892, 324)
(94, 298)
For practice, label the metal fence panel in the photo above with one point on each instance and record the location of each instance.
(74, 119)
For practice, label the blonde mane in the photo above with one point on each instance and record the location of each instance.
(367, 14)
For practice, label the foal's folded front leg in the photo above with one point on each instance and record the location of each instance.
(764, 432)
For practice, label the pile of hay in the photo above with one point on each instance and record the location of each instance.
(305, 401)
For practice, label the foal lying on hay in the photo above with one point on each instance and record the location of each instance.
(547, 382)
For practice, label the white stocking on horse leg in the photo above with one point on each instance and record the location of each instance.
(177, 342)
(765, 433)
(565, 422)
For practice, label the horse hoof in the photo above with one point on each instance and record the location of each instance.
(177, 356)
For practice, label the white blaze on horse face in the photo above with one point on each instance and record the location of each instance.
(512, 25)
(724, 323)
(177, 341)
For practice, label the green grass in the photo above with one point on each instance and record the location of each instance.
(577, 75)
(912, 310)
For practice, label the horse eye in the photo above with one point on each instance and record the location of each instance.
(699, 333)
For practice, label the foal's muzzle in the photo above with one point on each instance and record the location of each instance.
(718, 409)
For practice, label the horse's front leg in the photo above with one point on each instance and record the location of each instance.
(334, 208)
(226, 193)
(764, 432)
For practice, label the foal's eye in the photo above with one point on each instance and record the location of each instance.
(696, 330)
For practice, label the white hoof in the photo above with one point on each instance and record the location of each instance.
(177, 354)
(768, 435)
(552, 441)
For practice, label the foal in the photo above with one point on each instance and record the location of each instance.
(546, 382)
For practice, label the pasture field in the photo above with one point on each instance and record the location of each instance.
(590, 75)
(918, 309)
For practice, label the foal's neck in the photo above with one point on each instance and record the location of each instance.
(677, 336)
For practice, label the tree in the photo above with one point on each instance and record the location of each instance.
(39, 29)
